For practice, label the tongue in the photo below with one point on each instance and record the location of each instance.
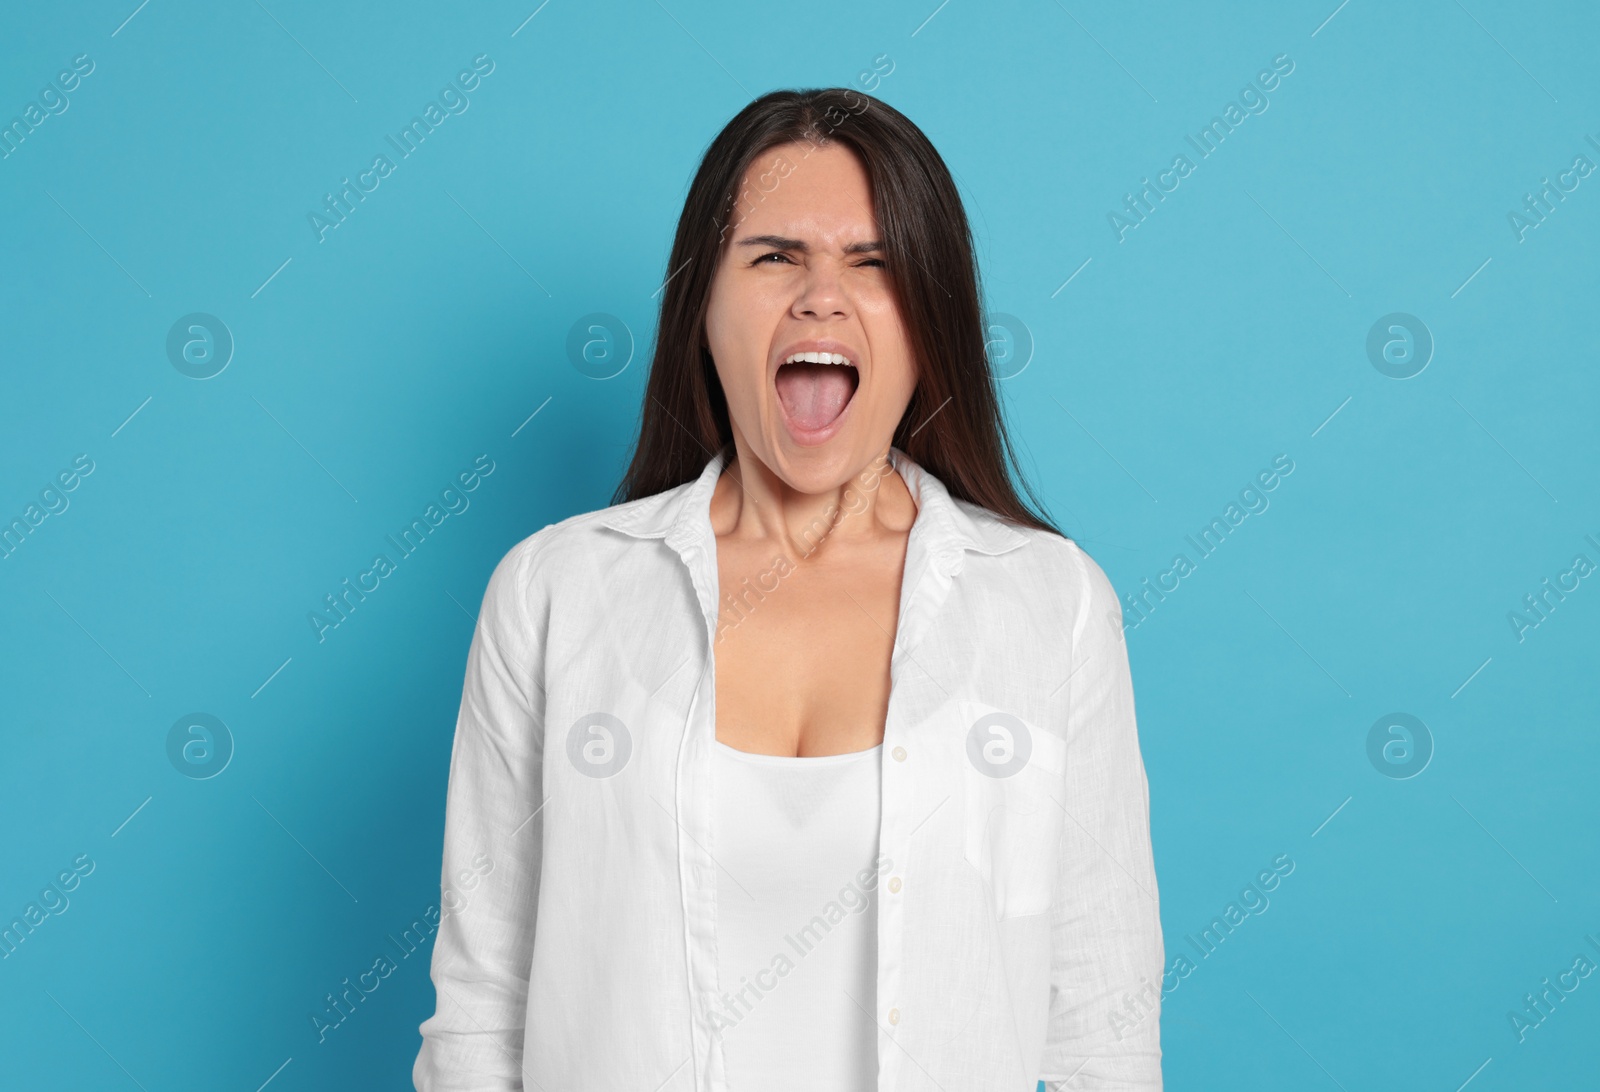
(814, 394)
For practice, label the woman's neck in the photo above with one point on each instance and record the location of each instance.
(752, 502)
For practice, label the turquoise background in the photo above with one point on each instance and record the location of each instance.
(431, 327)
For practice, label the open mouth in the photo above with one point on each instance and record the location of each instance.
(815, 388)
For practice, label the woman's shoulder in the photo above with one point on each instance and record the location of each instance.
(1093, 583)
(1054, 559)
(581, 542)
(1058, 576)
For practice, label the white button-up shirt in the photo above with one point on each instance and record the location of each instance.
(1017, 920)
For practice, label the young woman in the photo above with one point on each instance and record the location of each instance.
(811, 762)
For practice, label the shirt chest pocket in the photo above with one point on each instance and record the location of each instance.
(1014, 773)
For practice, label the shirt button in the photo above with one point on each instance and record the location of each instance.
(899, 754)
(894, 1016)
(894, 885)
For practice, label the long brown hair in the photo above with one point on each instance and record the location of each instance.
(953, 425)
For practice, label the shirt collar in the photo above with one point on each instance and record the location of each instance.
(682, 514)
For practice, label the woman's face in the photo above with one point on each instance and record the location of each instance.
(802, 271)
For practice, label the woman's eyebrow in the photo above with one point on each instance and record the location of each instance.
(780, 242)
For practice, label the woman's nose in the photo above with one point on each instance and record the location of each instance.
(821, 292)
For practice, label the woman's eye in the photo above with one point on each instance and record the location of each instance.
(877, 262)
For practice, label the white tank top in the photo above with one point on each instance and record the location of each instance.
(796, 845)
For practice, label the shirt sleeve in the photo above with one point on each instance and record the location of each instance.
(492, 836)
(1104, 1031)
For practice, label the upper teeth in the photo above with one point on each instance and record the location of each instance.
(818, 358)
